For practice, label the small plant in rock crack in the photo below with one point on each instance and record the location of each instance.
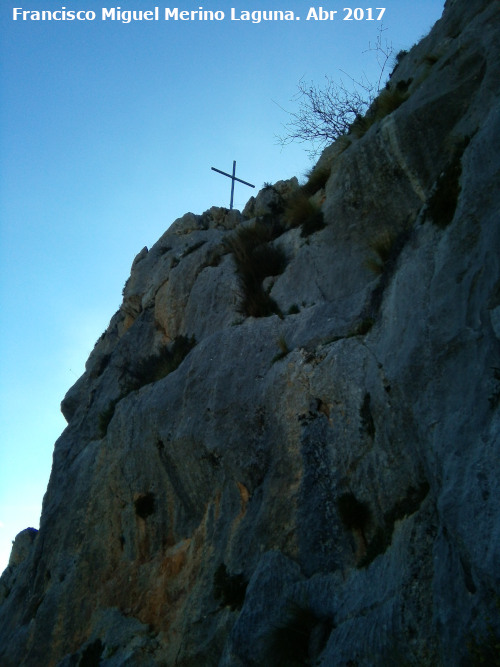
(316, 180)
(363, 326)
(304, 213)
(388, 100)
(284, 349)
(165, 361)
(256, 259)
(398, 59)
(383, 248)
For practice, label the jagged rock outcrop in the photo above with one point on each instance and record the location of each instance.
(285, 446)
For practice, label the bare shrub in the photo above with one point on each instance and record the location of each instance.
(325, 113)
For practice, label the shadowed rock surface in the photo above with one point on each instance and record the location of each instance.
(285, 447)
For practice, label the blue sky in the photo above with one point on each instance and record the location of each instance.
(107, 135)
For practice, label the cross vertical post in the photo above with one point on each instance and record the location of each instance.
(233, 179)
(232, 185)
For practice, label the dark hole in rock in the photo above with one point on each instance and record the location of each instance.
(144, 505)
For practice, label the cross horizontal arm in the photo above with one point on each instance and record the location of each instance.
(233, 177)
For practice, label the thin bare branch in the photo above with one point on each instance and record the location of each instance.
(324, 114)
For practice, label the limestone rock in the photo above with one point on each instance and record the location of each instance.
(271, 199)
(22, 546)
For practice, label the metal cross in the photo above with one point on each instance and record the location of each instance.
(233, 179)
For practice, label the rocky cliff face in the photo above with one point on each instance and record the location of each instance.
(285, 447)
